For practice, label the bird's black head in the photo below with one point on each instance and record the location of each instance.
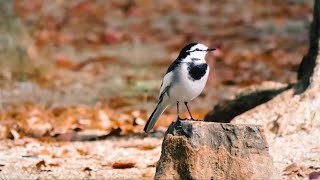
(185, 51)
(195, 48)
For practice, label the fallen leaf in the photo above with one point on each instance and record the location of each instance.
(153, 164)
(25, 168)
(87, 169)
(139, 122)
(117, 102)
(83, 152)
(294, 170)
(63, 62)
(41, 164)
(122, 164)
(140, 146)
(65, 152)
(53, 164)
(100, 60)
(4, 132)
(44, 152)
(148, 174)
(289, 169)
(112, 36)
(15, 134)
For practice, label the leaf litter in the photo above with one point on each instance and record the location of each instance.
(75, 96)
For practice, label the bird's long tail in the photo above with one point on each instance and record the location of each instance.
(155, 115)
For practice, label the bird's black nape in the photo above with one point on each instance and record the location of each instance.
(184, 53)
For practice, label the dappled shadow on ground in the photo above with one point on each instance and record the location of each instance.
(226, 110)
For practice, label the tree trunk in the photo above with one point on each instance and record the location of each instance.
(307, 66)
(14, 41)
(296, 109)
(289, 114)
(288, 108)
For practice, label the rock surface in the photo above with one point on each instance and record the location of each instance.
(208, 150)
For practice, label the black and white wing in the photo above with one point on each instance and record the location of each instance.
(167, 79)
(165, 85)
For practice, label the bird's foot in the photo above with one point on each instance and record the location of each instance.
(190, 119)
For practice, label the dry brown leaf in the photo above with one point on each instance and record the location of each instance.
(88, 169)
(117, 102)
(25, 168)
(15, 134)
(40, 165)
(100, 60)
(148, 174)
(139, 122)
(101, 120)
(4, 132)
(43, 152)
(53, 165)
(140, 146)
(83, 152)
(153, 164)
(122, 164)
(294, 170)
(64, 63)
(65, 152)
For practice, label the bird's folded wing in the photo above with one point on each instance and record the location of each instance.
(166, 83)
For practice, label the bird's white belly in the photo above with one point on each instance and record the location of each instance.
(185, 89)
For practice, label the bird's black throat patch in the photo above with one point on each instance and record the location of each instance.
(196, 72)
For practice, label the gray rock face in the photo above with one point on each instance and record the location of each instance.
(208, 150)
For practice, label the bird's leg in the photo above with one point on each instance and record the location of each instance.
(179, 118)
(178, 110)
(186, 103)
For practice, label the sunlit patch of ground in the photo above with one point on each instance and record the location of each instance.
(115, 158)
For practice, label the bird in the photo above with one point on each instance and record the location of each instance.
(184, 80)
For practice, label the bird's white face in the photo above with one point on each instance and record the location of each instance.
(199, 51)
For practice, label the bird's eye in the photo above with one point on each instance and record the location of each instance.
(197, 49)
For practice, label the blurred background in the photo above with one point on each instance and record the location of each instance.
(96, 64)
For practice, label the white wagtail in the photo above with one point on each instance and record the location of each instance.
(184, 80)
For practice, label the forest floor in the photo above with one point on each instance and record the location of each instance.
(80, 112)
(115, 158)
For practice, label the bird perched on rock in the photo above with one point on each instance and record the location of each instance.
(184, 80)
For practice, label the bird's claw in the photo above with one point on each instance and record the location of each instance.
(189, 119)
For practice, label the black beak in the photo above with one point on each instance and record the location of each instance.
(211, 49)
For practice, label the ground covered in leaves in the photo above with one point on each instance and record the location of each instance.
(115, 158)
(97, 71)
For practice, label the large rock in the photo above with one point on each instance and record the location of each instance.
(208, 150)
